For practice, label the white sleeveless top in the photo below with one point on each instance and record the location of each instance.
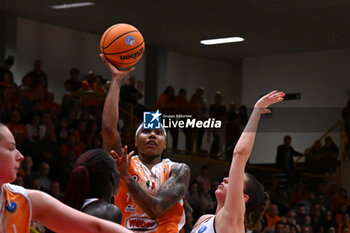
(207, 226)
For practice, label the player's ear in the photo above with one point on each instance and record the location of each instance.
(135, 141)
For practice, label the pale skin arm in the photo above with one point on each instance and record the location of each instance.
(234, 208)
(61, 218)
(170, 192)
(110, 116)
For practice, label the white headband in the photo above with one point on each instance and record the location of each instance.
(141, 126)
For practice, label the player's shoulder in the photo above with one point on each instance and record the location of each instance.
(181, 169)
(202, 219)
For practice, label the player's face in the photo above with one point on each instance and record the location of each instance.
(10, 157)
(151, 141)
(221, 191)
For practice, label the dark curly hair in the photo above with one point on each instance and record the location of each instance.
(257, 202)
(94, 170)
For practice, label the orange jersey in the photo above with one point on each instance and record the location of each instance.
(134, 218)
(16, 211)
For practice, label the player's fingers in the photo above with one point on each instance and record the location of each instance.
(130, 155)
(114, 154)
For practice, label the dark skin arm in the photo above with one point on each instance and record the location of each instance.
(110, 116)
(104, 210)
(171, 192)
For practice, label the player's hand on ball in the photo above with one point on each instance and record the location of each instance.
(116, 73)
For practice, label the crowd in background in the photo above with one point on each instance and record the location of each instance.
(52, 135)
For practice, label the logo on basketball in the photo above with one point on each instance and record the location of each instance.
(130, 40)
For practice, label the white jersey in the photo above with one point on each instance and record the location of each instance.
(207, 226)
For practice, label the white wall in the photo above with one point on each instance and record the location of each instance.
(59, 49)
(182, 71)
(322, 78)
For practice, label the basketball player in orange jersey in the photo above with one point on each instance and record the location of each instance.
(241, 198)
(18, 206)
(151, 189)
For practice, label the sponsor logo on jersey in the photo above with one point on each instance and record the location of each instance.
(141, 224)
(135, 177)
(11, 206)
(129, 208)
(150, 185)
(202, 229)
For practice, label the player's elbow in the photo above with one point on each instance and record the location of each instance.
(240, 152)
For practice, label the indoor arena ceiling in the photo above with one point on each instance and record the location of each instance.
(268, 26)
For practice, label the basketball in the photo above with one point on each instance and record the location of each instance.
(122, 44)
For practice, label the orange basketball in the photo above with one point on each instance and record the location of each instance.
(122, 44)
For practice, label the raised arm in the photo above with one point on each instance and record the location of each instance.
(171, 191)
(61, 218)
(234, 207)
(110, 117)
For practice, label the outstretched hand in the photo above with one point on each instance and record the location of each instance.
(123, 162)
(264, 102)
(120, 74)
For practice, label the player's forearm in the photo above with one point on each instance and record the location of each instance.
(246, 141)
(149, 204)
(110, 115)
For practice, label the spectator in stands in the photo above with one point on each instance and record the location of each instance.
(38, 76)
(345, 224)
(129, 93)
(182, 106)
(329, 221)
(55, 190)
(243, 115)
(317, 218)
(32, 129)
(166, 104)
(188, 223)
(342, 209)
(74, 82)
(43, 175)
(17, 128)
(63, 132)
(71, 145)
(301, 213)
(217, 111)
(27, 171)
(7, 80)
(272, 216)
(279, 227)
(342, 198)
(284, 159)
(10, 101)
(233, 130)
(200, 111)
(8, 63)
(46, 123)
(331, 152)
(192, 195)
(306, 229)
(331, 229)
